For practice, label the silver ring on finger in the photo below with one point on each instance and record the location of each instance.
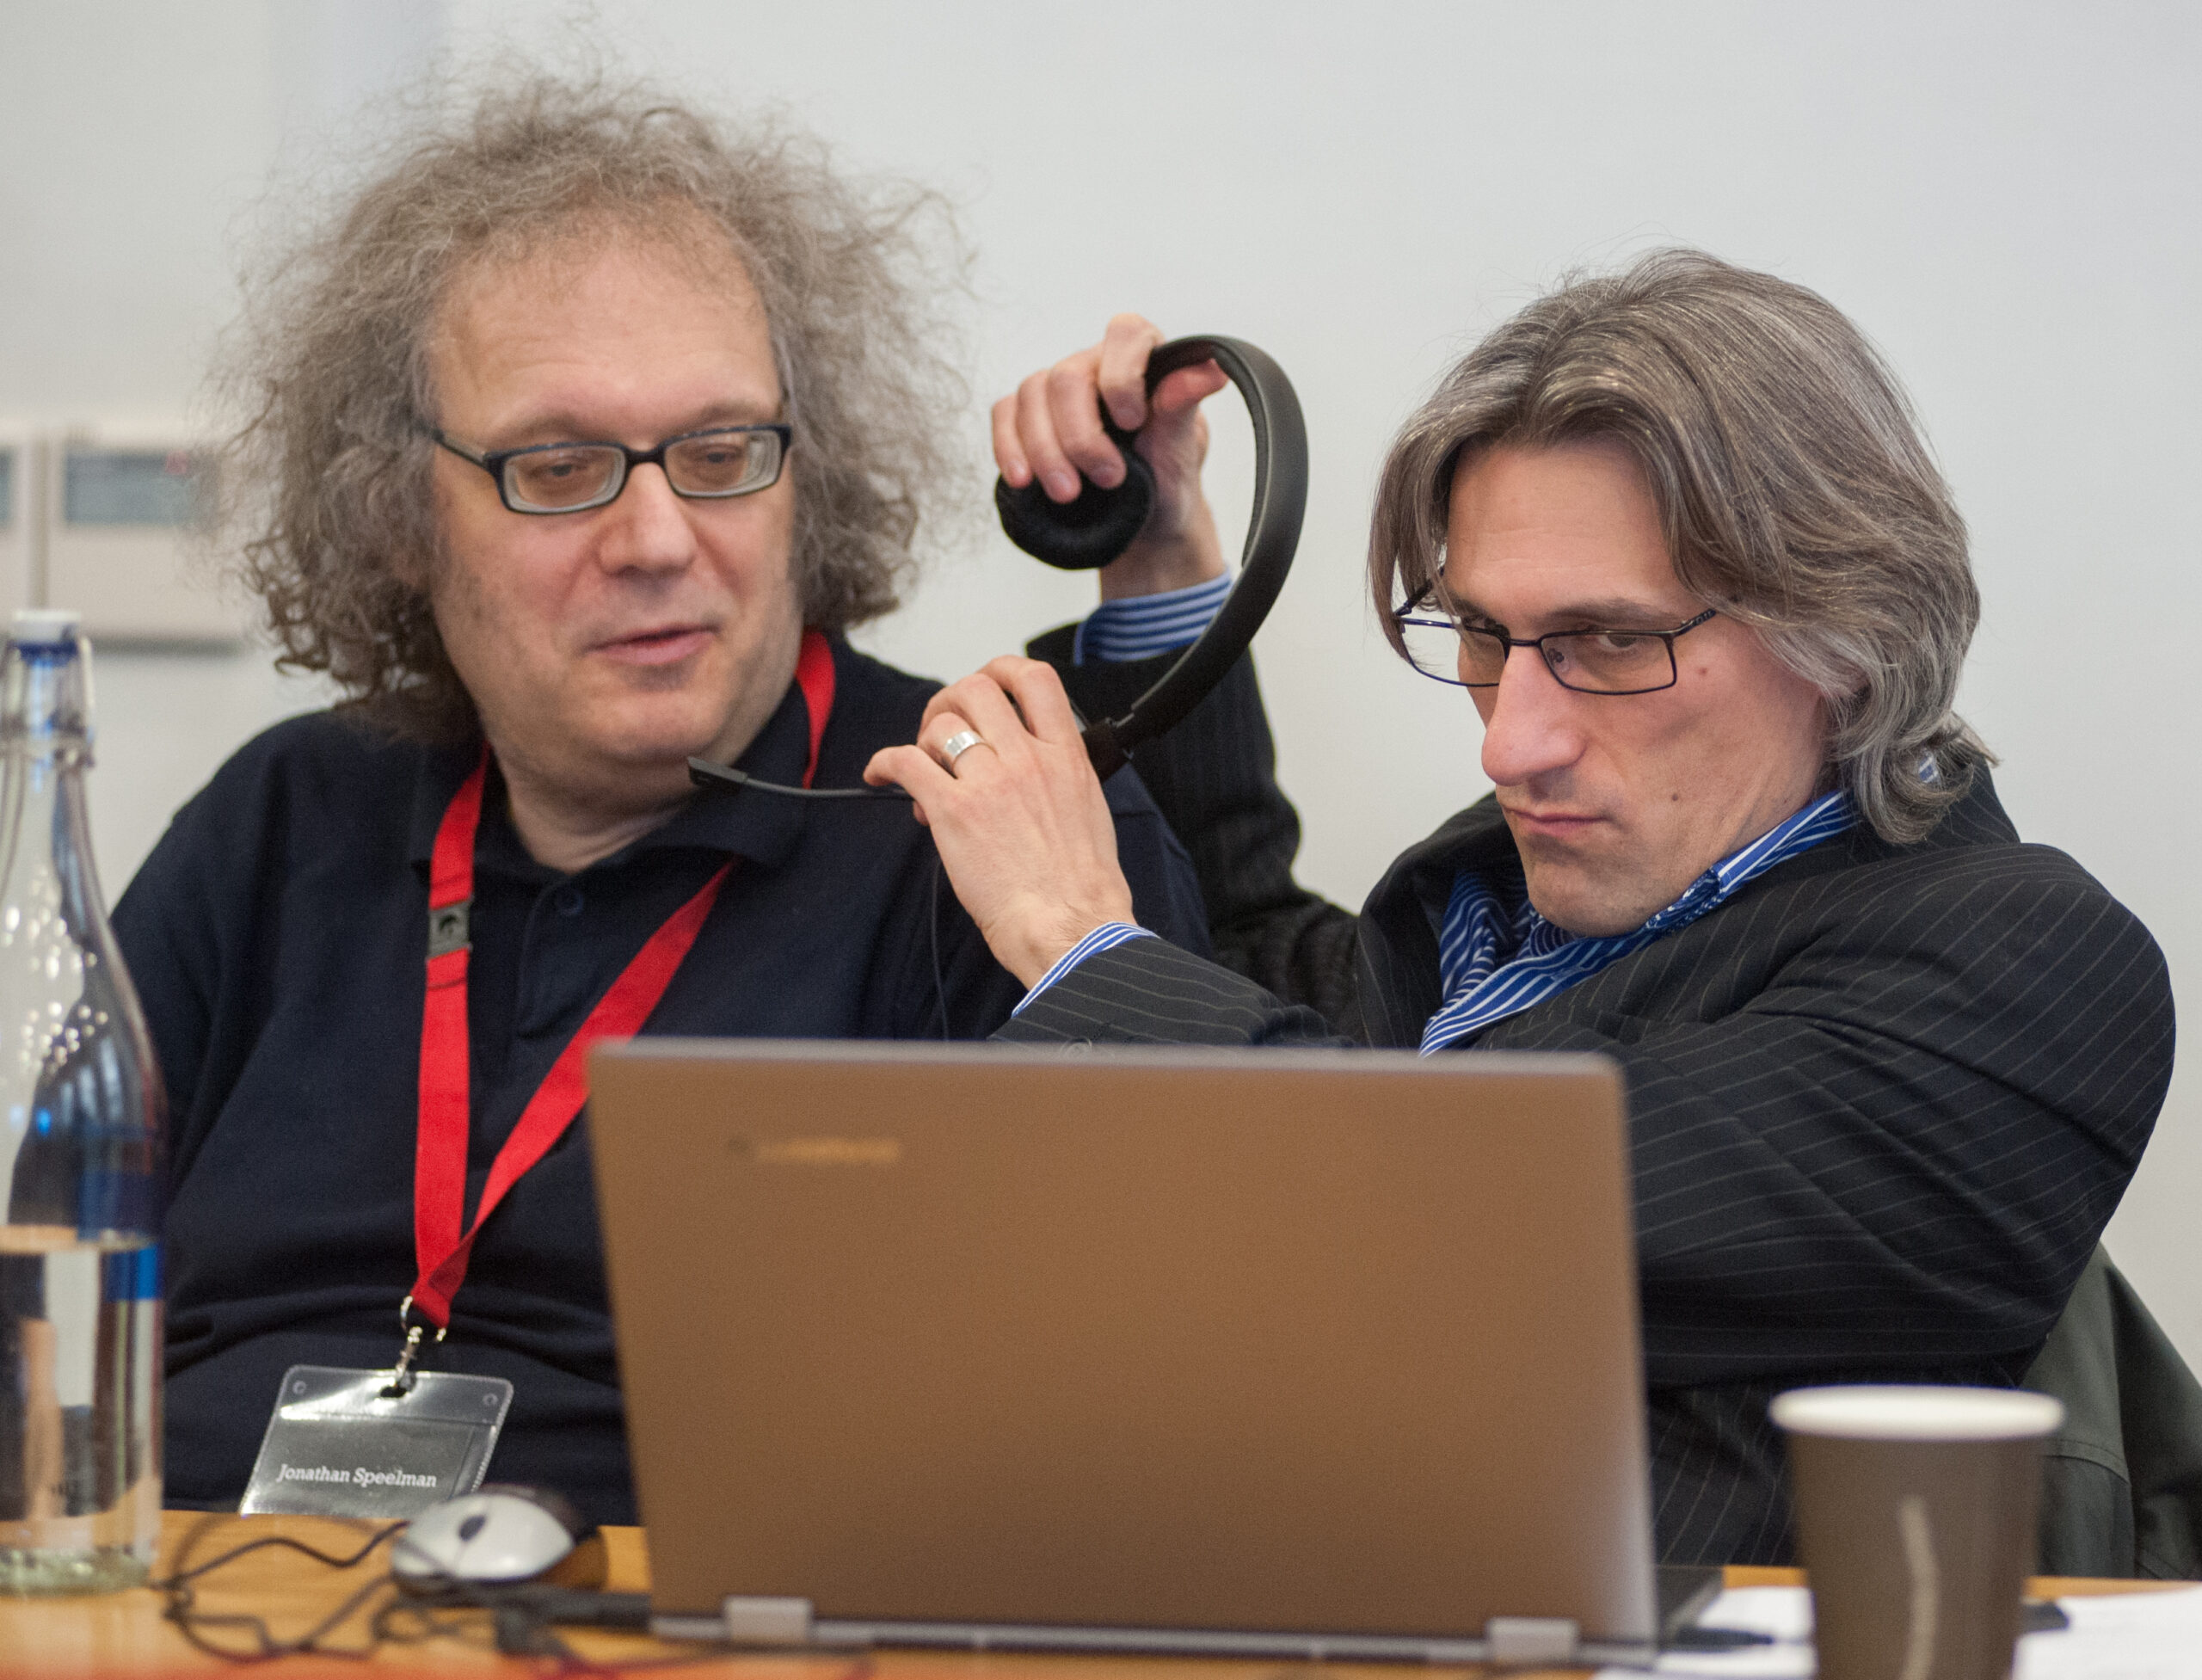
(959, 743)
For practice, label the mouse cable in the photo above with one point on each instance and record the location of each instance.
(523, 1615)
(179, 1607)
(182, 1577)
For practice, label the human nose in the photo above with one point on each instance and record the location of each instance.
(648, 529)
(1529, 723)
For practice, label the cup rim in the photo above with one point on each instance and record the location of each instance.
(1917, 1412)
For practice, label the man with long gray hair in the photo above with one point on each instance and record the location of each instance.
(1675, 532)
(574, 441)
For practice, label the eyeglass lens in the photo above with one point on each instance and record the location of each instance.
(1595, 662)
(575, 476)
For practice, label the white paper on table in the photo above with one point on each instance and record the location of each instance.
(2118, 1636)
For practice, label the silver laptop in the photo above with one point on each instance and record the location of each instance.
(1303, 1355)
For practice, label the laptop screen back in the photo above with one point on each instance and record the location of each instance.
(1285, 1341)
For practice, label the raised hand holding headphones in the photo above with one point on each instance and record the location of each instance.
(1161, 525)
(1022, 828)
(1051, 432)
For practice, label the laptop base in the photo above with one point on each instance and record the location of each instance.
(1508, 1640)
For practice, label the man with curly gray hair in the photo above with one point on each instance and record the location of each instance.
(574, 441)
(1674, 535)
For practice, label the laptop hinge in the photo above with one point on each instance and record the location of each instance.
(765, 1620)
(1530, 1639)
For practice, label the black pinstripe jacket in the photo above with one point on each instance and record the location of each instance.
(1883, 1101)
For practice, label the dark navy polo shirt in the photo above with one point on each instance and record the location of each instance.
(278, 936)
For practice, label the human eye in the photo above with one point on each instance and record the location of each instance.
(560, 475)
(558, 468)
(714, 462)
(1609, 659)
(1616, 642)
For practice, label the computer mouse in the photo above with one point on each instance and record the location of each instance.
(498, 1535)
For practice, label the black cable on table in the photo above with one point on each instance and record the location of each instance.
(525, 1617)
(180, 1607)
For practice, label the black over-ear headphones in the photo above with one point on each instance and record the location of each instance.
(1099, 524)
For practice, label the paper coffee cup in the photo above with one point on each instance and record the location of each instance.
(1916, 1514)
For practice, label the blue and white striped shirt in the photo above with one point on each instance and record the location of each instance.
(1497, 956)
(1142, 626)
(1106, 936)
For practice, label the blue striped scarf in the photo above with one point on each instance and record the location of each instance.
(1497, 956)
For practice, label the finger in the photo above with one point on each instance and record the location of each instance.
(1074, 405)
(941, 728)
(993, 716)
(1035, 428)
(943, 700)
(958, 699)
(912, 769)
(1129, 340)
(937, 736)
(1175, 441)
(947, 699)
(1009, 452)
(1189, 387)
(1037, 689)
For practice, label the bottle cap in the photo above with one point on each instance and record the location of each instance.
(42, 626)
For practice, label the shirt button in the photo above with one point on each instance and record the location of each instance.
(568, 900)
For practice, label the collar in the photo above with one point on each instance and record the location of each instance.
(757, 826)
(1479, 839)
(1399, 958)
(1499, 958)
(1825, 818)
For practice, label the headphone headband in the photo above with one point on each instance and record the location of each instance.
(1100, 525)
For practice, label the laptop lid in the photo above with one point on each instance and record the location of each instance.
(1197, 1350)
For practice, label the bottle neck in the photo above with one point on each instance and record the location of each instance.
(46, 710)
(45, 746)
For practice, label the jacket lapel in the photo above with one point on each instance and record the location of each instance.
(1399, 968)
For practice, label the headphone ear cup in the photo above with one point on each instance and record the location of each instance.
(1089, 531)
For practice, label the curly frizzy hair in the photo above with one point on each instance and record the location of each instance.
(329, 474)
(1795, 492)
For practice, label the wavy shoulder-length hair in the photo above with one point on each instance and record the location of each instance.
(1796, 493)
(329, 489)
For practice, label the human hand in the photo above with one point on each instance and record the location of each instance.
(1021, 822)
(1050, 429)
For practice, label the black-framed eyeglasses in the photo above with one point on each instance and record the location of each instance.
(574, 478)
(1589, 661)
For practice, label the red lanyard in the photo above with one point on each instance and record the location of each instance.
(439, 1158)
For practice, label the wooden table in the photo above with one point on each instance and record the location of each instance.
(124, 1635)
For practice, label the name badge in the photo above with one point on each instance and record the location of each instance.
(341, 1445)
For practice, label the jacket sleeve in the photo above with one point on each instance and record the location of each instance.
(1893, 1147)
(1150, 992)
(1215, 778)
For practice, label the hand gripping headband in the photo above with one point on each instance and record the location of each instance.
(1099, 524)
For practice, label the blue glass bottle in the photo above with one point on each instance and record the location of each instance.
(83, 1167)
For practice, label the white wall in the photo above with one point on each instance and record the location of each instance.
(138, 137)
(2001, 195)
